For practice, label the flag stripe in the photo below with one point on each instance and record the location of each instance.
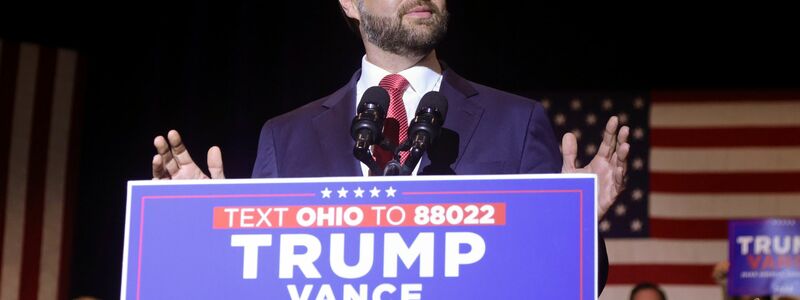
(688, 228)
(37, 164)
(725, 183)
(666, 251)
(57, 153)
(672, 291)
(673, 160)
(9, 60)
(725, 137)
(724, 206)
(18, 172)
(664, 274)
(70, 192)
(662, 96)
(725, 114)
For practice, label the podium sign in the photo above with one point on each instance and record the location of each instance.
(764, 257)
(423, 237)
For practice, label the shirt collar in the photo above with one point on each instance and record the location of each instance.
(421, 79)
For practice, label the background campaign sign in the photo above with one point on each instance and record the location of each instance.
(423, 237)
(764, 257)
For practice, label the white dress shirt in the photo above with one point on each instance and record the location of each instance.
(421, 81)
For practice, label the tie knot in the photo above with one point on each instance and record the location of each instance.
(394, 83)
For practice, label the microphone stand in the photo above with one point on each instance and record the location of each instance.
(362, 153)
(361, 150)
(393, 167)
(416, 150)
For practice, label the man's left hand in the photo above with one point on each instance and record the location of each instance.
(610, 163)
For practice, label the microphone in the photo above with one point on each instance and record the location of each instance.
(424, 128)
(428, 121)
(367, 126)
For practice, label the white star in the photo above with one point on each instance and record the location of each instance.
(342, 193)
(359, 192)
(575, 104)
(638, 164)
(374, 192)
(546, 103)
(591, 119)
(605, 226)
(637, 194)
(326, 193)
(636, 225)
(390, 192)
(577, 132)
(620, 210)
(608, 104)
(638, 102)
(638, 133)
(560, 119)
(623, 118)
(591, 149)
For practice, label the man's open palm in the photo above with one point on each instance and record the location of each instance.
(610, 163)
(174, 162)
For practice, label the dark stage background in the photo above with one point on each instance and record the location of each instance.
(216, 71)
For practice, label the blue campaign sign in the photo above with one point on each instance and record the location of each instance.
(764, 257)
(422, 237)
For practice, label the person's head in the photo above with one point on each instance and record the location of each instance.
(647, 291)
(402, 27)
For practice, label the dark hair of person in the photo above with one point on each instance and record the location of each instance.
(648, 286)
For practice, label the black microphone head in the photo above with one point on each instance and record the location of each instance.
(434, 100)
(368, 123)
(375, 95)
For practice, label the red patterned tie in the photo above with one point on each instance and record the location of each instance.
(395, 127)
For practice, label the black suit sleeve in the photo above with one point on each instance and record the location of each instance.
(540, 153)
(602, 264)
(266, 161)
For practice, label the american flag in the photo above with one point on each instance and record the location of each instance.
(37, 168)
(698, 159)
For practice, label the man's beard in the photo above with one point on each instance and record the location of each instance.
(391, 35)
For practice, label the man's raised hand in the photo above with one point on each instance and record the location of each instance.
(174, 162)
(610, 163)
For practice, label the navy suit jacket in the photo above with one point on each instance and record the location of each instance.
(486, 131)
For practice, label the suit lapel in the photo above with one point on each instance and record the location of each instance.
(332, 125)
(332, 128)
(463, 114)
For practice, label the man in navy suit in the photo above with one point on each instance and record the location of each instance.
(486, 131)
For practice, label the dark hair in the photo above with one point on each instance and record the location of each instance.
(648, 286)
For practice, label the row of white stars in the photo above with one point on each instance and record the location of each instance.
(607, 104)
(637, 163)
(359, 192)
(620, 209)
(591, 119)
(635, 225)
(638, 133)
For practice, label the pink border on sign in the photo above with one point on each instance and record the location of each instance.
(506, 192)
(141, 220)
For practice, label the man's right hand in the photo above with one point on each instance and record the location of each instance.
(173, 160)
